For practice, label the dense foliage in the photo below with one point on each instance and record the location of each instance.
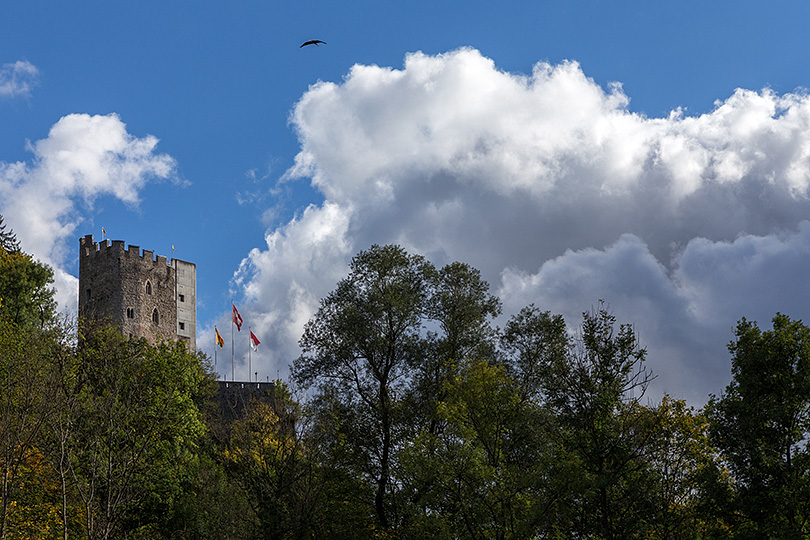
(421, 420)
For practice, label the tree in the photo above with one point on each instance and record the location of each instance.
(593, 393)
(25, 294)
(534, 342)
(36, 509)
(209, 503)
(65, 367)
(267, 457)
(136, 427)
(29, 342)
(204, 501)
(8, 240)
(761, 424)
(462, 307)
(26, 385)
(488, 470)
(681, 458)
(365, 336)
(333, 440)
(26, 298)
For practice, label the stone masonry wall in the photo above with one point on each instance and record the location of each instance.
(100, 294)
(133, 290)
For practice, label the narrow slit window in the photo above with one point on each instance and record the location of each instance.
(155, 316)
(148, 287)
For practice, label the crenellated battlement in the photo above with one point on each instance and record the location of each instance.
(143, 293)
(89, 249)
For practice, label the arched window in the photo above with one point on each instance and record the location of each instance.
(155, 316)
(148, 287)
(130, 313)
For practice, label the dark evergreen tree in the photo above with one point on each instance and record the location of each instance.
(8, 240)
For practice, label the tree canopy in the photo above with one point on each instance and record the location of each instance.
(762, 425)
(409, 415)
(26, 295)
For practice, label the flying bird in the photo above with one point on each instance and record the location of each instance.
(312, 42)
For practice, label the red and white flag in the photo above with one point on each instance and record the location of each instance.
(254, 341)
(237, 319)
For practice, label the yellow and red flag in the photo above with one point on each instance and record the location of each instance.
(220, 341)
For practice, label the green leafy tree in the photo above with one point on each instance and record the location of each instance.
(488, 469)
(209, 503)
(535, 342)
(30, 342)
(461, 305)
(26, 384)
(334, 437)
(681, 458)
(26, 298)
(361, 344)
(64, 370)
(206, 502)
(267, 457)
(593, 393)
(761, 425)
(137, 425)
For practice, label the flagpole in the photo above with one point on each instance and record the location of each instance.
(250, 348)
(233, 376)
(216, 344)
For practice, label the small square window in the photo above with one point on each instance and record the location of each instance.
(182, 298)
(182, 326)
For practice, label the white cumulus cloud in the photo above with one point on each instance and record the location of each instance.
(82, 157)
(559, 193)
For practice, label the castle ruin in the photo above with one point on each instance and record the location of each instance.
(145, 295)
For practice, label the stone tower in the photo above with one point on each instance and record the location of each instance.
(146, 296)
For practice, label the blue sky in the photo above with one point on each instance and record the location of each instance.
(571, 150)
